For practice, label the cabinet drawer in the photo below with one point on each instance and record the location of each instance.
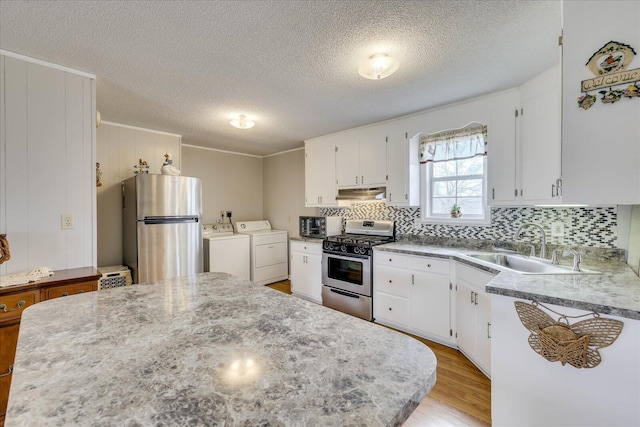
(66, 290)
(12, 305)
(392, 281)
(390, 258)
(392, 308)
(306, 247)
(431, 265)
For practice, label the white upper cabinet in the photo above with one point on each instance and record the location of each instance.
(319, 172)
(600, 145)
(403, 172)
(524, 144)
(540, 138)
(361, 158)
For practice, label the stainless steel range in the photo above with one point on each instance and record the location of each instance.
(347, 266)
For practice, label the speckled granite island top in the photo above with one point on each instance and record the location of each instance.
(210, 349)
(616, 291)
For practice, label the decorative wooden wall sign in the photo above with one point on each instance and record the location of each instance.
(609, 65)
(558, 341)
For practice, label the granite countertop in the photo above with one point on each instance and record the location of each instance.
(616, 291)
(306, 239)
(210, 349)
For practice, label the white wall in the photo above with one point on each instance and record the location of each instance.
(47, 158)
(119, 147)
(284, 191)
(230, 182)
(633, 258)
(601, 145)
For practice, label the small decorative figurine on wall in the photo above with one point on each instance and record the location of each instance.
(5, 255)
(168, 168)
(609, 66)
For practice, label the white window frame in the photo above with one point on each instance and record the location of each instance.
(426, 190)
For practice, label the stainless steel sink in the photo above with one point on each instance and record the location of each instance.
(524, 265)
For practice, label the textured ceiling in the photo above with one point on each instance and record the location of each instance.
(185, 66)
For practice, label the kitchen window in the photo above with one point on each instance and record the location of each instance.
(453, 174)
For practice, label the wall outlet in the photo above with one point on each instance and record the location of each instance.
(66, 221)
(228, 214)
(221, 213)
(557, 229)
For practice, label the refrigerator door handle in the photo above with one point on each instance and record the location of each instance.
(170, 219)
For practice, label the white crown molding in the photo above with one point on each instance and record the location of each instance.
(138, 128)
(46, 64)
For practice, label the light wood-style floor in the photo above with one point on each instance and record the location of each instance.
(461, 396)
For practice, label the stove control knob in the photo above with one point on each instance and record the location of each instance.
(357, 250)
(343, 248)
(328, 246)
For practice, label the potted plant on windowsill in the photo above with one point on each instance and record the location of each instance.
(455, 211)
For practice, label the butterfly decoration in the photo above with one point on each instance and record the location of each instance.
(557, 340)
(610, 96)
(586, 101)
(632, 90)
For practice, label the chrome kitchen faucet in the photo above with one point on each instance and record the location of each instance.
(543, 246)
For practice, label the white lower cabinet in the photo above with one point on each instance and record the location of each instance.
(473, 315)
(413, 293)
(306, 270)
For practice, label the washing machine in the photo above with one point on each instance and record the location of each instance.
(269, 253)
(226, 251)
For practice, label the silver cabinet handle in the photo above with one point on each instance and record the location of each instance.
(6, 374)
(390, 281)
(81, 291)
(489, 330)
(553, 190)
(428, 265)
(471, 297)
(475, 299)
(389, 308)
(413, 279)
(3, 307)
(65, 294)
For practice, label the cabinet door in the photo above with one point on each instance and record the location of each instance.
(373, 159)
(348, 162)
(465, 318)
(501, 149)
(314, 277)
(391, 308)
(319, 173)
(298, 273)
(8, 343)
(397, 166)
(430, 305)
(540, 165)
(483, 331)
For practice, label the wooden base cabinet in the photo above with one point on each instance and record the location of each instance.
(473, 316)
(15, 299)
(306, 270)
(413, 293)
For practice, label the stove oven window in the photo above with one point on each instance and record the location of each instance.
(345, 270)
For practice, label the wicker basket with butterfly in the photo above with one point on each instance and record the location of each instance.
(559, 341)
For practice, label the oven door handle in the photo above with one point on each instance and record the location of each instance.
(349, 257)
(346, 294)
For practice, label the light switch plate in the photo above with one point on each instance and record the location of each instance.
(557, 229)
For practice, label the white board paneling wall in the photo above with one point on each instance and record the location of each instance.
(119, 147)
(47, 146)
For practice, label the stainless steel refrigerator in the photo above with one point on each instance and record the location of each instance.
(162, 226)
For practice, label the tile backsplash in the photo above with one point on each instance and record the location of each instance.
(594, 227)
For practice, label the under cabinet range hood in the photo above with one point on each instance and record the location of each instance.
(361, 194)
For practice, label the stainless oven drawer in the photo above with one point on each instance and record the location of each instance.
(356, 305)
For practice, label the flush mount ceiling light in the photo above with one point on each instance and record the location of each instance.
(242, 122)
(378, 66)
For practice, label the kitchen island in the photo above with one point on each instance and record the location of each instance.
(210, 349)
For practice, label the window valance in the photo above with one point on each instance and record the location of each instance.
(464, 143)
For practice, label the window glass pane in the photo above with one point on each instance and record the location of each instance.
(470, 205)
(444, 189)
(471, 166)
(470, 187)
(442, 206)
(444, 169)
